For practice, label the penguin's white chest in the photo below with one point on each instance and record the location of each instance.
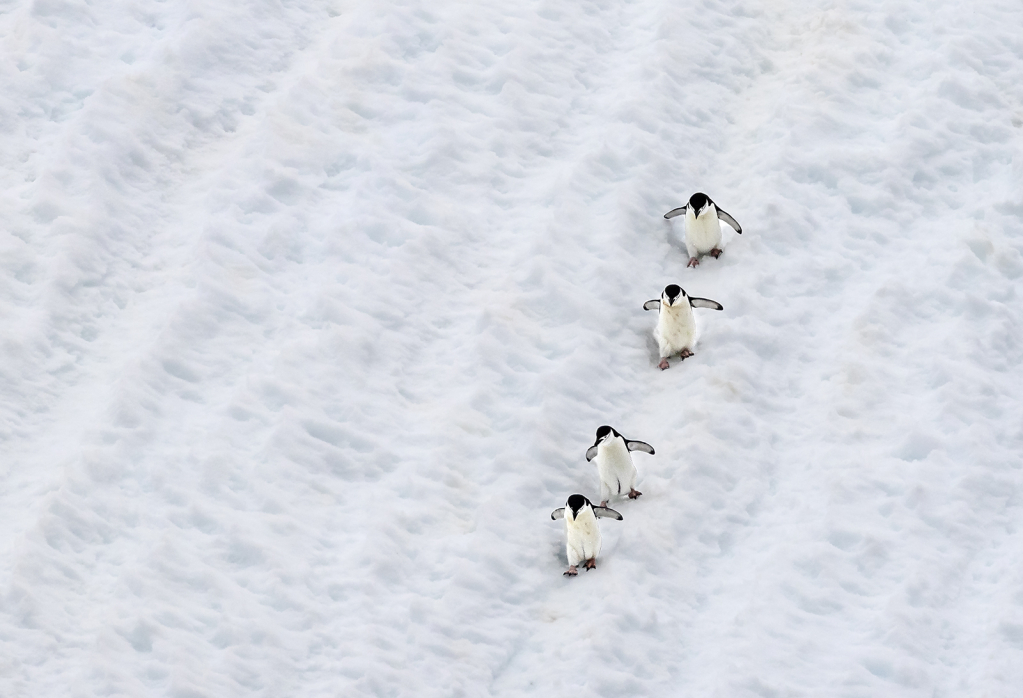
(703, 232)
(615, 466)
(676, 328)
(583, 536)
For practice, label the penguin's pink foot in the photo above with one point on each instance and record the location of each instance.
(663, 365)
(715, 253)
(604, 503)
(684, 354)
(693, 262)
(572, 571)
(591, 564)
(634, 493)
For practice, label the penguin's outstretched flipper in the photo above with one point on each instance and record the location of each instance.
(723, 216)
(705, 303)
(640, 446)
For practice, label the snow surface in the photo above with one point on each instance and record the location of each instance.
(310, 311)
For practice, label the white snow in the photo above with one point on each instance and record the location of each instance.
(309, 312)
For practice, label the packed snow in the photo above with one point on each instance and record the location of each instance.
(310, 311)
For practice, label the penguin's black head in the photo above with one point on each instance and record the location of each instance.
(698, 201)
(577, 502)
(673, 291)
(603, 432)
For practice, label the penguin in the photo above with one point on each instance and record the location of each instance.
(614, 463)
(581, 530)
(676, 325)
(703, 226)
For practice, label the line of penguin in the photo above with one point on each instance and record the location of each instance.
(675, 334)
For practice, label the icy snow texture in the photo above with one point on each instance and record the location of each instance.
(310, 310)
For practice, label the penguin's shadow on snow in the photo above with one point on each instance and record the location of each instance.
(653, 351)
(559, 553)
(676, 239)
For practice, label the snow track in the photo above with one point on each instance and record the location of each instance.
(311, 311)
